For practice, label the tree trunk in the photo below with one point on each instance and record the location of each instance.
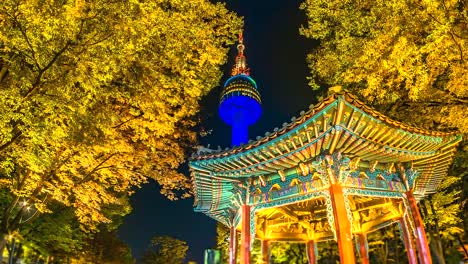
(460, 240)
(397, 252)
(12, 252)
(3, 72)
(436, 240)
(3, 243)
(36, 261)
(386, 252)
(18, 253)
(434, 250)
(433, 234)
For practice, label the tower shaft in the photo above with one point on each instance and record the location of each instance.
(239, 133)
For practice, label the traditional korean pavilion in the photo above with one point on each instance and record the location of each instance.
(338, 171)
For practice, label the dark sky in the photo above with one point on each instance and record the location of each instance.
(276, 56)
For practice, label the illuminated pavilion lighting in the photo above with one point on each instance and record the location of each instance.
(321, 177)
(240, 104)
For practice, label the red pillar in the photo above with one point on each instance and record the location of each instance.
(421, 240)
(232, 245)
(311, 249)
(363, 253)
(342, 225)
(265, 251)
(407, 239)
(245, 235)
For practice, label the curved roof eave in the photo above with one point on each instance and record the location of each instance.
(316, 110)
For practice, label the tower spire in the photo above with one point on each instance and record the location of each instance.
(240, 67)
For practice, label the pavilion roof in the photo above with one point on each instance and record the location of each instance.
(340, 122)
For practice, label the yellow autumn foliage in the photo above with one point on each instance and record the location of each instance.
(96, 97)
(410, 56)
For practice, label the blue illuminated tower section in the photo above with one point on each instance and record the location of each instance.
(240, 104)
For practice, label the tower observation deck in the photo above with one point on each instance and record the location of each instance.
(240, 103)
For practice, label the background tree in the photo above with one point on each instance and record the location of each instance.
(97, 96)
(328, 252)
(407, 55)
(288, 253)
(165, 249)
(222, 241)
(58, 236)
(405, 58)
(386, 246)
(441, 216)
(105, 247)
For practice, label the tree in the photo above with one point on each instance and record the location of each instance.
(408, 55)
(97, 96)
(328, 252)
(58, 234)
(405, 58)
(165, 249)
(222, 241)
(441, 216)
(294, 253)
(105, 247)
(386, 246)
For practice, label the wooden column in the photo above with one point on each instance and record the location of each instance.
(265, 251)
(342, 225)
(311, 251)
(363, 252)
(232, 245)
(245, 235)
(408, 241)
(421, 240)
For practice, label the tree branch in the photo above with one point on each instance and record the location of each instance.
(13, 139)
(456, 43)
(130, 119)
(454, 101)
(6, 216)
(23, 181)
(3, 72)
(41, 71)
(26, 38)
(98, 167)
(16, 220)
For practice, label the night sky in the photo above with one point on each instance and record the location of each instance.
(276, 56)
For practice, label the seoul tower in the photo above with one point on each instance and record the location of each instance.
(240, 104)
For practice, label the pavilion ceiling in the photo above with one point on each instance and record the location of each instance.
(307, 220)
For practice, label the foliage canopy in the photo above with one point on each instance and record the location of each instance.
(98, 96)
(411, 54)
(165, 249)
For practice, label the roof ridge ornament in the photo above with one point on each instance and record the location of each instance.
(240, 67)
